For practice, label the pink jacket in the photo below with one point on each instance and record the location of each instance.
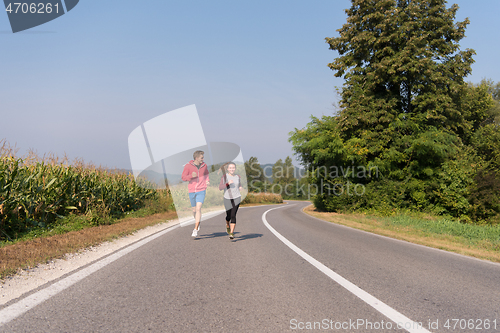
(198, 183)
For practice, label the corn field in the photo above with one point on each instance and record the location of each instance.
(35, 192)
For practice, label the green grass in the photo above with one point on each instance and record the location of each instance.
(480, 241)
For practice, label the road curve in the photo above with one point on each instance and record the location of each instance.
(256, 283)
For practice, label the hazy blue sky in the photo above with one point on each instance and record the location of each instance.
(255, 70)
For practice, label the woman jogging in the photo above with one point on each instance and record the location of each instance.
(231, 184)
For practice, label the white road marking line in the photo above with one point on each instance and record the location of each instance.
(15, 310)
(375, 303)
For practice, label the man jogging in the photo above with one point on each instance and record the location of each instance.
(196, 173)
(231, 184)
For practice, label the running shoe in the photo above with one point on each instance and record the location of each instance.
(231, 236)
(228, 230)
(195, 233)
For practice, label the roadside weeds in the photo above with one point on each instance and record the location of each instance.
(30, 253)
(483, 249)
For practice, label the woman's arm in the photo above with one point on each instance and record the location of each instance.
(222, 185)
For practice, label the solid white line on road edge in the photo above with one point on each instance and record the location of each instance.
(13, 311)
(378, 305)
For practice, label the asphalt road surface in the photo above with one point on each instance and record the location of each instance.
(284, 271)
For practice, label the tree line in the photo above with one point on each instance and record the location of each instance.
(407, 112)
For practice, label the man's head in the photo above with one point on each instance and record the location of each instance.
(198, 156)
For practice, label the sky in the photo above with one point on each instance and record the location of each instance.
(256, 70)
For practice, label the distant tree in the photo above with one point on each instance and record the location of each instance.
(284, 179)
(255, 174)
(254, 170)
(283, 172)
(494, 90)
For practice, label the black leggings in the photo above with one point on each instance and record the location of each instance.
(231, 208)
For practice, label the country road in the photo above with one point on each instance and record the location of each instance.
(284, 271)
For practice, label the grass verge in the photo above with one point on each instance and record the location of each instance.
(477, 241)
(28, 253)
